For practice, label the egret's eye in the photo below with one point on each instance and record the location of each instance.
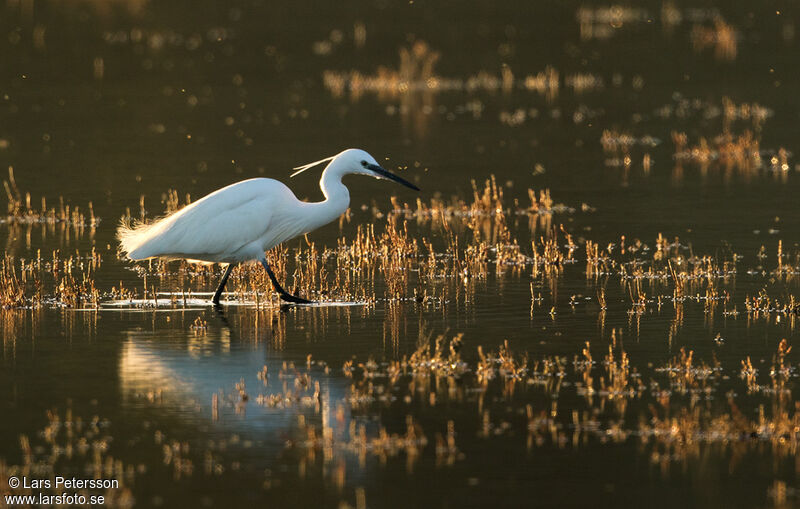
(364, 164)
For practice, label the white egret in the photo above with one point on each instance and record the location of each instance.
(238, 223)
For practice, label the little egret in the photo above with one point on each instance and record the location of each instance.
(238, 223)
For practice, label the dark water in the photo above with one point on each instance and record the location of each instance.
(105, 102)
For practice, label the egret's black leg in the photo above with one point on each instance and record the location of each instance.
(222, 282)
(283, 293)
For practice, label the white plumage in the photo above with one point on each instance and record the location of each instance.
(232, 224)
(238, 223)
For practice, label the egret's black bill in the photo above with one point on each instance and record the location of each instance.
(391, 176)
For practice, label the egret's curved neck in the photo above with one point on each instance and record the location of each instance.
(332, 186)
(337, 197)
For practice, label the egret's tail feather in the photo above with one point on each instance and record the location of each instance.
(133, 239)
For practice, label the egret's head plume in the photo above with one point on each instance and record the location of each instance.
(301, 169)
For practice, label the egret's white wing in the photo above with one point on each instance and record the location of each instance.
(213, 228)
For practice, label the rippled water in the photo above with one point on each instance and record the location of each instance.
(617, 110)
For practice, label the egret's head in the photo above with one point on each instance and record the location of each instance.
(357, 161)
(360, 162)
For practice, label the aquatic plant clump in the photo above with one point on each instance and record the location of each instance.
(20, 210)
(58, 281)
